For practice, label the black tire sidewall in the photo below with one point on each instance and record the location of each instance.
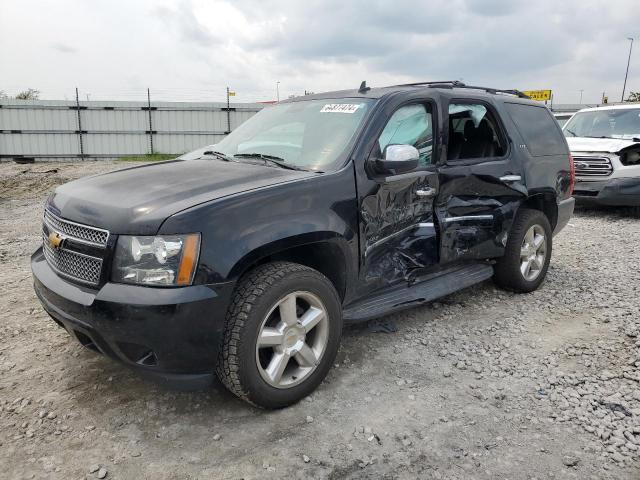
(259, 391)
(508, 274)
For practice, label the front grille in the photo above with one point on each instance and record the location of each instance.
(592, 166)
(81, 254)
(74, 265)
(82, 233)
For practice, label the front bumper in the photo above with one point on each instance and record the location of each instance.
(169, 334)
(623, 192)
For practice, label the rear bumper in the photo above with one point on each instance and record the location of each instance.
(168, 334)
(565, 212)
(623, 192)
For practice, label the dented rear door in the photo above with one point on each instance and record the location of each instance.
(480, 185)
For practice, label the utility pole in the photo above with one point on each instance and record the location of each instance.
(627, 72)
(278, 90)
(150, 122)
(228, 113)
(79, 125)
(581, 96)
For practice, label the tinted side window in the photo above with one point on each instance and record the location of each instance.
(473, 133)
(538, 129)
(410, 125)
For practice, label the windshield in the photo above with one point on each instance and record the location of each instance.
(622, 123)
(310, 134)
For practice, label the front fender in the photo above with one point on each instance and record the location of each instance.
(339, 243)
(237, 229)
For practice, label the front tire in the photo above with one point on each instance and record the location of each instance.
(527, 254)
(282, 334)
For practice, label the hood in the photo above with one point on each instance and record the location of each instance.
(137, 200)
(609, 145)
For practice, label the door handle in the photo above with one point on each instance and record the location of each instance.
(511, 178)
(426, 192)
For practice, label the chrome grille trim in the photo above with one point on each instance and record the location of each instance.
(76, 231)
(74, 265)
(593, 166)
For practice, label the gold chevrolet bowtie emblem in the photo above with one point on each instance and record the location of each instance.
(55, 240)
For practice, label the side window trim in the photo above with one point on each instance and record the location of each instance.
(435, 152)
(502, 131)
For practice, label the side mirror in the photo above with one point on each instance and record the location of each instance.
(398, 159)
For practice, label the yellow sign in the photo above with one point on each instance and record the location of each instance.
(232, 94)
(539, 95)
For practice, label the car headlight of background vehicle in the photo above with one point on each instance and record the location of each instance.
(630, 157)
(165, 260)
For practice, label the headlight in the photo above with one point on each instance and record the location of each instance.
(630, 157)
(163, 260)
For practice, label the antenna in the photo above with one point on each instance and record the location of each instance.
(363, 87)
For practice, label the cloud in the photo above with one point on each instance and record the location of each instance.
(61, 47)
(494, 8)
(181, 19)
(193, 49)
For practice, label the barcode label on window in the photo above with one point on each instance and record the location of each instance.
(339, 108)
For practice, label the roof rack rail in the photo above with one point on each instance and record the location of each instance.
(449, 83)
(459, 84)
(512, 91)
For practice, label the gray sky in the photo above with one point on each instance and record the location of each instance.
(193, 49)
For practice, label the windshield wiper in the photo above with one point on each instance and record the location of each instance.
(571, 132)
(281, 162)
(219, 155)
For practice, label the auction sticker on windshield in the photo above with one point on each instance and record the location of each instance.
(339, 108)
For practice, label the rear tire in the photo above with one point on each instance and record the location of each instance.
(527, 254)
(282, 334)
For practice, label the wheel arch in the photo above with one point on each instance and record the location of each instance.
(546, 203)
(326, 252)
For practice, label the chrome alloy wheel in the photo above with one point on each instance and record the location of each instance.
(533, 253)
(292, 339)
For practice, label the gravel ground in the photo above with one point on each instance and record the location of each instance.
(482, 384)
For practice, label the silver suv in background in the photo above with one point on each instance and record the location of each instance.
(605, 144)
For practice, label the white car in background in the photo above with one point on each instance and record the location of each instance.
(605, 145)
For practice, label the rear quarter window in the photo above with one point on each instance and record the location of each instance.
(538, 129)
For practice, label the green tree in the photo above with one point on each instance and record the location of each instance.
(634, 97)
(28, 94)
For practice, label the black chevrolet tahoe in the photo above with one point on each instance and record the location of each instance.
(246, 259)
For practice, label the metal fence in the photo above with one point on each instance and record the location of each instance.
(75, 130)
